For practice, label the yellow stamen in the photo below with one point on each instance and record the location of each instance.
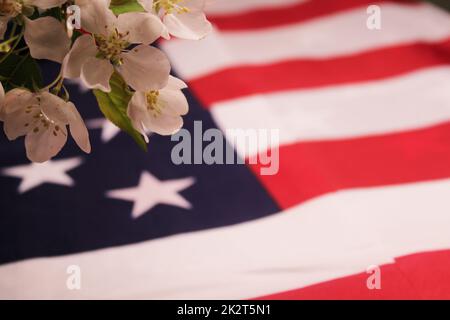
(170, 6)
(153, 103)
(10, 8)
(111, 47)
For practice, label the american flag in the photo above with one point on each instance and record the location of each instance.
(363, 180)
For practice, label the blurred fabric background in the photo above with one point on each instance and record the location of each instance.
(363, 184)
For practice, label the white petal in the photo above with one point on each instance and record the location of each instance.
(164, 124)
(174, 102)
(192, 25)
(45, 4)
(47, 39)
(44, 144)
(175, 83)
(17, 99)
(83, 48)
(78, 129)
(165, 33)
(96, 17)
(145, 68)
(19, 122)
(54, 107)
(137, 112)
(96, 73)
(142, 27)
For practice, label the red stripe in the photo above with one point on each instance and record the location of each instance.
(308, 170)
(310, 73)
(296, 13)
(418, 276)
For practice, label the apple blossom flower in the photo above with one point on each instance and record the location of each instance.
(12, 8)
(108, 45)
(182, 18)
(159, 111)
(95, 56)
(42, 118)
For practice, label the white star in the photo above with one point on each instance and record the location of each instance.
(151, 192)
(109, 129)
(35, 174)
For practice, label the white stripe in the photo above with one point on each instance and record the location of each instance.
(415, 100)
(334, 35)
(333, 236)
(222, 7)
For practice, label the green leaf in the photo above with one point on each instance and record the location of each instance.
(114, 106)
(124, 6)
(20, 71)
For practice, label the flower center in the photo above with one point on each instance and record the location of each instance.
(153, 104)
(10, 8)
(170, 6)
(40, 121)
(110, 47)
